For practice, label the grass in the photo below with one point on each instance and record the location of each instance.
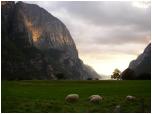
(48, 96)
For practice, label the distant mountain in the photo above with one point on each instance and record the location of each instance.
(141, 67)
(37, 45)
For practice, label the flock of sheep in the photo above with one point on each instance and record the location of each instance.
(93, 98)
(75, 97)
(71, 98)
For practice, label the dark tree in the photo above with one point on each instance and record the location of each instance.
(116, 74)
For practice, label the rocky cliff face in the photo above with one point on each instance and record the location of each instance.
(44, 30)
(142, 65)
(40, 44)
(143, 62)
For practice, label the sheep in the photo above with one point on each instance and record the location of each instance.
(72, 98)
(117, 109)
(130, 98)
(95, 98)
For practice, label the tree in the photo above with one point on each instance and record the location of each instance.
(116, 74)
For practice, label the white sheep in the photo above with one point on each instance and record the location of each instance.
(117, 109)
(95, 98)
(130, 98)
(72, 98)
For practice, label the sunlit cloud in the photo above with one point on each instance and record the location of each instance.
(141, 4)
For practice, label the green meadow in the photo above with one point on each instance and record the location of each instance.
(49, 96)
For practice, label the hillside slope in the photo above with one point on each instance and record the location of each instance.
(140, 68)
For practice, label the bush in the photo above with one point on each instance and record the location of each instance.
(60, 76)
(89, 78)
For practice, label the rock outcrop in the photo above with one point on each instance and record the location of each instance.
(37, 45)
(141, 66)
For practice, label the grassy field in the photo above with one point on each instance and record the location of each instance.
(48, 96)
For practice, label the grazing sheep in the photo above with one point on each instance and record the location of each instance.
(95, 98)
(117, 109)
(72, 98)
(130, 98)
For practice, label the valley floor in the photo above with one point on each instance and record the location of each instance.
(48, 96)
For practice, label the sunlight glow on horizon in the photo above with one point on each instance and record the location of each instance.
(107, 66)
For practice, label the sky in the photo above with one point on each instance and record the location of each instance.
(107, 34)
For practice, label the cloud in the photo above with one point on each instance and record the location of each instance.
(109, 13)
(94, 49)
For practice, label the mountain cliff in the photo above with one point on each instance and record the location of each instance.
(141, 67)
(37, 45)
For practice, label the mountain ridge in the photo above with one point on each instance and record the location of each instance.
(140, 68)
(40, 44)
